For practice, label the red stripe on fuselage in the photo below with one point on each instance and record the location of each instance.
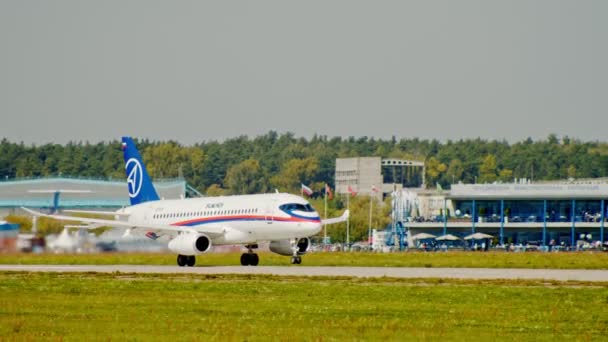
(205, 220)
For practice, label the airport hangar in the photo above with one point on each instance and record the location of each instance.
(518, 212)
(77, 193)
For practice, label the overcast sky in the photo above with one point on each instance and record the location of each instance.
(195, 71)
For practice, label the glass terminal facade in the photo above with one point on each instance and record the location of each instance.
(554, 214)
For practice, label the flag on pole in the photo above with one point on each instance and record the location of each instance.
(306, 190)
(330, 195)
(351, 191)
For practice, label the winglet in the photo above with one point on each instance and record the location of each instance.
(138, 181)
(342, 218)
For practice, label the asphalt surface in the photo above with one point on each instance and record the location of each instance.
(362, 272)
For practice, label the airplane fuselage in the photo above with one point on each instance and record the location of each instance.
(245, 219)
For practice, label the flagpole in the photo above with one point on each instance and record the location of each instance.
(348, 221)
(369, 231)
(325, 226)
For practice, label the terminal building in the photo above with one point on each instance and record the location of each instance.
(559, 213)
(545, 212)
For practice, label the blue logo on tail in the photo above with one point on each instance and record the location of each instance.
(138, 182)
(134, 177)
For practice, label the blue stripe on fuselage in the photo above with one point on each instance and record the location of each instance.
(292, 214)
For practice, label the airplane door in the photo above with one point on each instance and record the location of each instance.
(269, 211)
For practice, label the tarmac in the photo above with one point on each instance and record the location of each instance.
(324, 271)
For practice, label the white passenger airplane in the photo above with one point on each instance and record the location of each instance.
(194, 225)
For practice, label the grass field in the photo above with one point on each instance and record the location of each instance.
(577, 260)
(237, 308)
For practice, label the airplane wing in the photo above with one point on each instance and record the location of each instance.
(209, 230)
(342, 218)
(83, 226)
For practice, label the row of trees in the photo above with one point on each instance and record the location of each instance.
(247, 165)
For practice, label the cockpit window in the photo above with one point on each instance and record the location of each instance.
(297, 206)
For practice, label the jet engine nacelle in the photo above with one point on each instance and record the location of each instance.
(283, 247)
(190, 244)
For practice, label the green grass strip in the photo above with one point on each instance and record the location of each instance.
(120, 306)
(577, 260)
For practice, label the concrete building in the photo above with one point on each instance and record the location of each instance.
(363, 174)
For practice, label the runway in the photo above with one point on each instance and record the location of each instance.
(360, 272)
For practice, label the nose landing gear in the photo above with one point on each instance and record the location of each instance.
(296, 259)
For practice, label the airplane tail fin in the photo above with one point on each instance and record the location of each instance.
(138, 181)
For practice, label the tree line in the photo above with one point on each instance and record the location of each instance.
(244, 165)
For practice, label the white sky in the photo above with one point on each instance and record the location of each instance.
(200, 70)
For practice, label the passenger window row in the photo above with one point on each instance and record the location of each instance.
(206, 213)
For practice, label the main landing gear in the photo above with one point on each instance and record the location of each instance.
(250, 258)
(296, 260)
(186, 260)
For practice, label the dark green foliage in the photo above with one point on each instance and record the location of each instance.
(461, 160)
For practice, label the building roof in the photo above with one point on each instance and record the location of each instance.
(39, 192)
(562, 190)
